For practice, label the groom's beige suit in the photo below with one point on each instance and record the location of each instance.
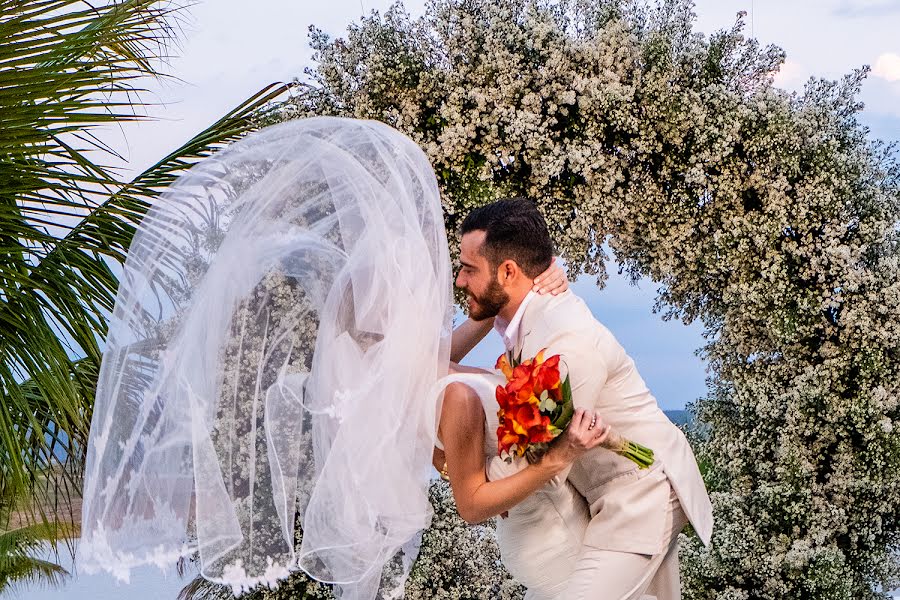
(630, 546)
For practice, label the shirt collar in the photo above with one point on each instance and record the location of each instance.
(510, 331)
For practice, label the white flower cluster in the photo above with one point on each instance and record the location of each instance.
(456, 561)
(770, 217)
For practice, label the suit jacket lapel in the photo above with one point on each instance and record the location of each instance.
(530, 318)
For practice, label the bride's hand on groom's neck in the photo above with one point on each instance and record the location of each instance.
(552, 281)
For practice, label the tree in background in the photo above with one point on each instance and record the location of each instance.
(66, 68)
(770, 217)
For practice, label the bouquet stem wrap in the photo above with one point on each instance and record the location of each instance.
(641, 455)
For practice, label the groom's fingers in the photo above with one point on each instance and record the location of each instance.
(597, 430)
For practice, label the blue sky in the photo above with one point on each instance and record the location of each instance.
(231, 50)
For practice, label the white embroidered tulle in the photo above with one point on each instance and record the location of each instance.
(283, 312)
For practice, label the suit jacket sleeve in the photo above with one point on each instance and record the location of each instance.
(586, 364)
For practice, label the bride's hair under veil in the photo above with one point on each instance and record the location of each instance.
(284, 311)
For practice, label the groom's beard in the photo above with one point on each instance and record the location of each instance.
(488, 304)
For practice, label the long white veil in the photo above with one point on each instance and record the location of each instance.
(283, 312)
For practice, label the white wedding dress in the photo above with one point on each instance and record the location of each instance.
(540, 539)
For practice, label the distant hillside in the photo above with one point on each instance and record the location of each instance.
(679, 417)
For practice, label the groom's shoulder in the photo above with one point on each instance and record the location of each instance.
(567, 310)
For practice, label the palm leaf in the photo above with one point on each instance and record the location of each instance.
(18, 564)
(20, 571)
(66, 68)
(87, 291)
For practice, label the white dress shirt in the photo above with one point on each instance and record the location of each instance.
(510, 331)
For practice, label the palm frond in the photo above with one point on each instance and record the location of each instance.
(66, 68)
(73, 290)
(21, 571)
(19, 565)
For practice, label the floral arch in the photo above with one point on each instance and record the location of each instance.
(770, 217)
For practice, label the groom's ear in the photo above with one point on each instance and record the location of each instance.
(509, 272)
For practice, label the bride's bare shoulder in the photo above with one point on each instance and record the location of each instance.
(460, 393)
(461, 413)
(462, 401)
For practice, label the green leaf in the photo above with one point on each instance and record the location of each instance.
(547, 404)
(18, 547)
(67, 67)
(568, 407)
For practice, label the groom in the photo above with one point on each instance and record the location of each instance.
(630, 547)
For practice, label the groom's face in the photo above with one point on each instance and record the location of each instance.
(485, 295)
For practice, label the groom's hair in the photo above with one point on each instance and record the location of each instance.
(514, 230)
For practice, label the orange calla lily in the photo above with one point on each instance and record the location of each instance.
(528, 416)
(529, 424)
(504, 366)
(523, 424)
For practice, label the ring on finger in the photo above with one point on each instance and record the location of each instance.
(593, 421)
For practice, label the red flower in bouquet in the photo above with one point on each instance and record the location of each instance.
(536, 407)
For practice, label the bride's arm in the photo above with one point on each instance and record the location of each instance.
(466, 336)
(457, 368)
(462, 432)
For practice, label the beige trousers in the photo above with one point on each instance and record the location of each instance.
(612, 575)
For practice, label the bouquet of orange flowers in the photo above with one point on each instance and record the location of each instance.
(536, 407)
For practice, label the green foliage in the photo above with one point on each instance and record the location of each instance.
(66, 68)
(19, 566)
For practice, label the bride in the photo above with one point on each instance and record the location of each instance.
(544, 517)
(278, 347)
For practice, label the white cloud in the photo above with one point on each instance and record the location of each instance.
(867, 8)
(791, 75)
(887, 66)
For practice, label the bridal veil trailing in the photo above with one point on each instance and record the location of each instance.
(283, 311)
